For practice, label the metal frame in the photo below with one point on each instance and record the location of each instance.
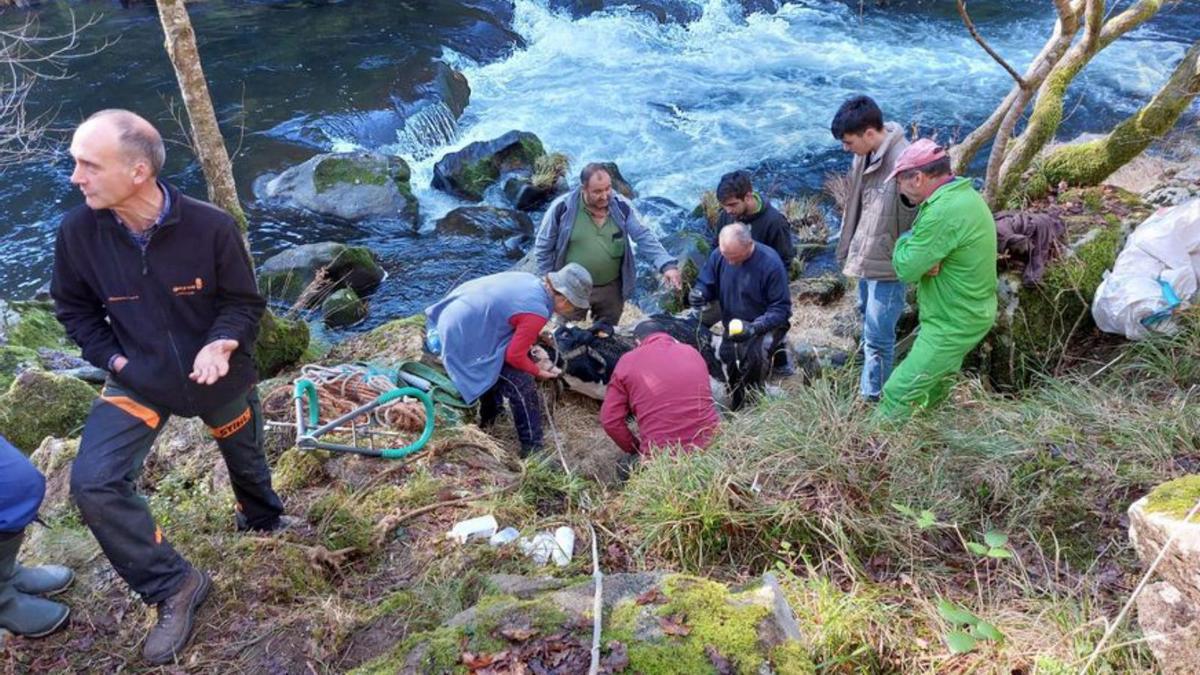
(308, 433)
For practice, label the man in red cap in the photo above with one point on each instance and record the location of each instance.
(950, 254)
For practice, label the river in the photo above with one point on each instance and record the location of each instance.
(675, 103)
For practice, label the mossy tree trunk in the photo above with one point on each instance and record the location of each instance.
(1090, 163)
(1080, 33)
(207, 141)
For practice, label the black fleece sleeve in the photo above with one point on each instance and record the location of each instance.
(239, 305)
(783, 242)
(81, 312)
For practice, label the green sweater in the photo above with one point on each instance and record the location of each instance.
(954, 227)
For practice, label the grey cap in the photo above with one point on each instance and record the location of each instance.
(574, 283)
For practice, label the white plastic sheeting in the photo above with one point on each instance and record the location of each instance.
(1133, 299)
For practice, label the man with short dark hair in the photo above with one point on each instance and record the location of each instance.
(740, 203)
(951, 255)
(483, 331)
(664, 385)
(756, 306)
(158, 289)
(597, 228)
(874, 216)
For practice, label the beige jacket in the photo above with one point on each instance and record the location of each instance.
(875, 215)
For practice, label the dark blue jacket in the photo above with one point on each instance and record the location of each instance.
(158, 307)
(755, 291)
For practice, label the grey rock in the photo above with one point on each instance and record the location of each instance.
(485, 221)
(351, 186)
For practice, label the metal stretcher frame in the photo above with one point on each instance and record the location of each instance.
(310, 429)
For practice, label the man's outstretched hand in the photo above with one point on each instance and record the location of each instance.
(212, 363)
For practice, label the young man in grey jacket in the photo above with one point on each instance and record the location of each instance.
(597, 228)
(874, 217)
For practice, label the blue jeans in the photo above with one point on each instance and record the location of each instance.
(881, 303)
(21, 489)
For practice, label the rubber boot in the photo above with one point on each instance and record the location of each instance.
(44, 580)
(23, 614)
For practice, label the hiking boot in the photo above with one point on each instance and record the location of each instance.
(175, 617)
(20, 613)
(285, 523)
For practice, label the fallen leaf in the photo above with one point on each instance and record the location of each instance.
(673, 625)
(654, 596)
(617, 660)
(477, 661)
(722, 664)
(517, 633)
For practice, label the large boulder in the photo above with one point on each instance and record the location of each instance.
(40, 404)
(53, 459)
(653, 623)
(468, 172)
(285, 276)
(351, 186)
(1169, 610)
(485, 221)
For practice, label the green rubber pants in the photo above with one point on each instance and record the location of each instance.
(924, 378)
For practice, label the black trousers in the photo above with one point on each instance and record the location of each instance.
(747, 364)
(519, 388)
(117, 436)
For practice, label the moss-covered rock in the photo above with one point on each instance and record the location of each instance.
(694, 618)
(40, 404)
(351, 186)
(296, 469)
(1174, 498)
(467, 173)
(13, 360)
(31, 324)
(343, 308)
(393, 342)
(281, 343)
(1036, 325)
(53, 458)
(285, 276)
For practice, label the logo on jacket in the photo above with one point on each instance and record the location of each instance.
(189, 289)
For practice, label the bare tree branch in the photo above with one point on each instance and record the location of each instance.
(962, 11)
(26, 58)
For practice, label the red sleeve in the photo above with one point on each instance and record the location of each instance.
(528, 326)
(613, 414)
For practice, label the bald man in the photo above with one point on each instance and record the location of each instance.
(751, 283)
(157, 289)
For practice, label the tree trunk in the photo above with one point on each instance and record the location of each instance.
(208, 143)
(1048, 108)
(1092, 162)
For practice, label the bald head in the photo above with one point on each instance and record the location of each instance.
(136, 138)
(118, 156)
(735, 243)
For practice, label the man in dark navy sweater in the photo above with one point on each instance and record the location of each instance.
(752, 285)
(158, 289)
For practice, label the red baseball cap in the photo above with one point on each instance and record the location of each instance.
(922, 151)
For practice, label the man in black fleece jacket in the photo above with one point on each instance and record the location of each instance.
(741, 204)
(158, 289)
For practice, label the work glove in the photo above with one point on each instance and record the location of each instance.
(747, 333)
(696, 298)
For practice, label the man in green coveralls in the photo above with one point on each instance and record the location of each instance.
(950, 254)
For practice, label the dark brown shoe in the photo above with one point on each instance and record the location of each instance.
(175, 616)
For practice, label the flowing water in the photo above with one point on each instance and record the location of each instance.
(674, 103)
